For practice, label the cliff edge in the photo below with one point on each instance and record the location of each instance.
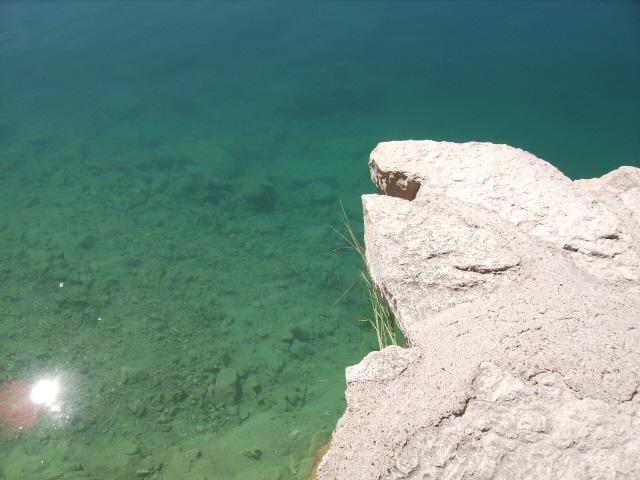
(518, 291)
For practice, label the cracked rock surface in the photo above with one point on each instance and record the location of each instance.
(518, 291)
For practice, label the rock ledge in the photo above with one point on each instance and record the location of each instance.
(518, 291)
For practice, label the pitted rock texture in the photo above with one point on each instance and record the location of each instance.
(536, 429)
(522, 189)
(525, 354)
(384, 365)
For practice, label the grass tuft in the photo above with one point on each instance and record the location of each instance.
(381, 318)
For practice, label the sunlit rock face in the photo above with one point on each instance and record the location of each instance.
(587, 218)
(518, 291)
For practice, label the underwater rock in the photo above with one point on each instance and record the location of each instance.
(300, 350)
(296, 332)
(518, 291)
(137, 408)
(88, 242)
(251, 387)
(131, 375)
(226, 388)
(296, 398)
(255, 454)
(259, 196)
(178, 396)
(231, 411)
(213, 192)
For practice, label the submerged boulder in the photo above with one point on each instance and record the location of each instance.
(518, 291)
(226, 388)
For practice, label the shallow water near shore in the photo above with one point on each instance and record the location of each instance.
(168, 176)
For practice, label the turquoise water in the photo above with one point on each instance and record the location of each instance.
(168, 175)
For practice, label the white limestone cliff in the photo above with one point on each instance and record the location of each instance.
(518, 291)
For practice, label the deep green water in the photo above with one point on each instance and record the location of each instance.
(168, 175)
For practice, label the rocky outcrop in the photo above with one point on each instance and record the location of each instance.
(526, 191)
(518, 291)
